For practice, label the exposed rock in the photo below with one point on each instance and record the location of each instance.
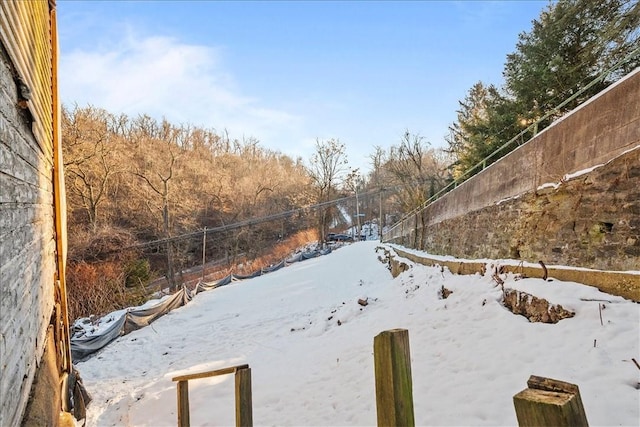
(533, 308)
(444, 293)
(395, 267)
(398, 267)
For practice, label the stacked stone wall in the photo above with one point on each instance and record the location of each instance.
(591, 220)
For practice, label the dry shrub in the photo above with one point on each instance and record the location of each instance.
(97, 285)
(284, 249)
(97, 272)
(98, 288)
(101, 244)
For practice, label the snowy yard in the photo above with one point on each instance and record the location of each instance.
(469, 354)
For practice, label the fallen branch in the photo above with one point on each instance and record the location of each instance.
(496, 277)
(600, 310)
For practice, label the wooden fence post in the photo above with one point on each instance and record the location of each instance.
(244, 411)
(242, 373)
(549, 402)
(183, 404)
(394, 389)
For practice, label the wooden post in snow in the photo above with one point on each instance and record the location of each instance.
(244, 407)
(183, 404)
(242, 373)
(549, 402)
(394, 389)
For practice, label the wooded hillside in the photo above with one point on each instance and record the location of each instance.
(132, 181)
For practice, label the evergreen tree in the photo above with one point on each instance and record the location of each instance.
(486, 121)
(571, 44)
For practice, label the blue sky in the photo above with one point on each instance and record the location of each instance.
(289, 72)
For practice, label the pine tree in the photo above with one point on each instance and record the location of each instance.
(572, 43)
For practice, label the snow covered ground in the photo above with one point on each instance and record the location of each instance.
(469, 354)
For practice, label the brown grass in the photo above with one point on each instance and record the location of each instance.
(96, 272)
(279, 252)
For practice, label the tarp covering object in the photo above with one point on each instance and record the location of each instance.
(238, 277)
(273, 268)
(137, 319)
(85, 345)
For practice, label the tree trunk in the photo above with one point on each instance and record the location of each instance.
(165, 222)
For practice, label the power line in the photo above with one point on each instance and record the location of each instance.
(247, 222)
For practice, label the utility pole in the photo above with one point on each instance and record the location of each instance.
(357, 214)
(204, 247)
(353, 181)
(380, 224)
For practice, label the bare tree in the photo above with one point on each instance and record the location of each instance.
(157, 178)
(327, 167)
(418, 172)
(416, 169)
(354, 183)
(376, 176)
(90, 161)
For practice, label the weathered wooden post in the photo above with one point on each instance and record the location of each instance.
(244, 416)
(394, 389)
(548, 402)
(244, 411)
(183, 404)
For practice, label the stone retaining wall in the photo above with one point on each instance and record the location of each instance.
(591, 221)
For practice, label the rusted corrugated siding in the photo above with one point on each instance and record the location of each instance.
(25, 30)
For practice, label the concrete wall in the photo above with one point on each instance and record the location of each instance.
(592, 221)
(590, 135)
(28, 258)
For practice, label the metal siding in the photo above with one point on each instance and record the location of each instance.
(33, 281)
(26, 34)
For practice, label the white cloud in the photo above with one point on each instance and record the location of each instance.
(160, 76)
